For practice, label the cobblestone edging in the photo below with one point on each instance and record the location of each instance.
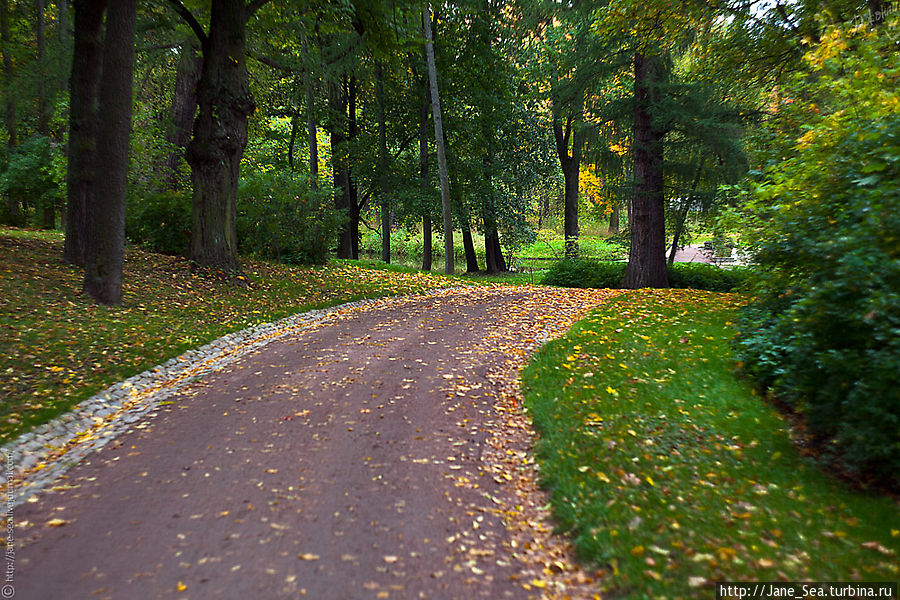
(37, 458)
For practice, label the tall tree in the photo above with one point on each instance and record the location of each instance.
(105, 242)
(439, 142)
(84, 85)
(184, 106)
(14, 215)
(220, 131)
(647, 256)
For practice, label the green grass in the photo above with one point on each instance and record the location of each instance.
(57, 348)
(669, 473)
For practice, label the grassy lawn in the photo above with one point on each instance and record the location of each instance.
(57, 348)
(670, 474)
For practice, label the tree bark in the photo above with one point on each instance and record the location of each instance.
(220, 136)
(383, 166)
(339, 159)
(352, 189)
(311, 128)
(469, 247)
(647, 257)
(614, 219)
(14, 215)
(427, 239)
(105, 247)
(48, 210)
(570, 164)
(439, 142)
(84, 85)
(184, 107)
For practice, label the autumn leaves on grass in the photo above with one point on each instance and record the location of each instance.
(670, 474)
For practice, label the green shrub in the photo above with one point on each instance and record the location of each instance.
(281, 217)
(585, 273)
(701, 276)
(32, 177)
(823, 332)
(159, 221)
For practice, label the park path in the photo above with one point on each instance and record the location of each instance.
(379, 455)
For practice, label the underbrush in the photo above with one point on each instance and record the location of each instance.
(587, 273)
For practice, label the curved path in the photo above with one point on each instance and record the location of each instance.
(361, 459)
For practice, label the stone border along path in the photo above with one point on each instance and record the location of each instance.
(41, 456)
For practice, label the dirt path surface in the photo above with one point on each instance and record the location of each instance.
(380, 455)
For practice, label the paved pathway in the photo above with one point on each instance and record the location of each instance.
(347, 462)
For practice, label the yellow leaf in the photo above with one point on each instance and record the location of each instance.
(181, 587)
(57, 522)
(602, 477)
(650, 480)
(308, 556)
(611, 391)
(538, 583)
(637, 550)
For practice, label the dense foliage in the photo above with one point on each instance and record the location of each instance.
(160, 221)
(824, 330)
(586, 273)
(281, 217)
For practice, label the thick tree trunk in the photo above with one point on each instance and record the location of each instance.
(340, 161)
(423, 183)
(14, 214)
(87, 56)
(439, 142)
(383, 166)
(105, 247)
(220, 136)
(493, 253)
(469, 247)
(184, 107)
(48, 210)
(647, 258)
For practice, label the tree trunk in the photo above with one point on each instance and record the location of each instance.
(184, 107)
(439, 142)
(14, 215)
(683, 213)
(383, 166)
(469, 247)
(105, 247)
(614, 219)
(48, 210)
(87, 56)
(43, 123)
(647, 258)
(220, 136)
(423, 183)
(62, 28)
(353, 189)
(570, 164)
(292, 141)
(312, 134)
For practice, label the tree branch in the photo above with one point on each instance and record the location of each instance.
(189, 18)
